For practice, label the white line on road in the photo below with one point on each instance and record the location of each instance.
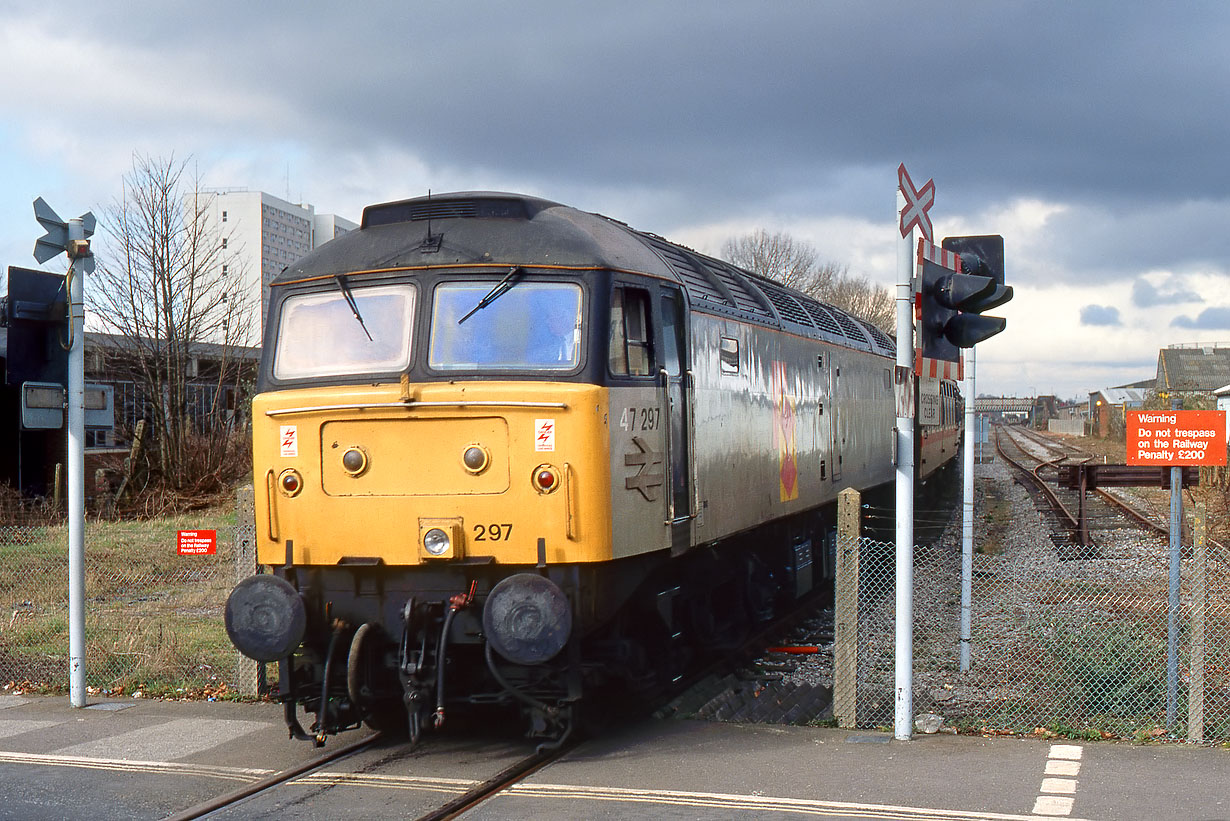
(1059, 785)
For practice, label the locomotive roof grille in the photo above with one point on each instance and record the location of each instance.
(851, 328)
(717, 286)
(786, 305)
(441, 209)
(746, 296)
(699, 285)
(879, 336)
(823, 317)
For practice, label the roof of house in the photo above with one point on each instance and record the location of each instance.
(1124, 396)
(1193, 368)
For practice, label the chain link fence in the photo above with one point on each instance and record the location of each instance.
(153, 617)
(1072, 647)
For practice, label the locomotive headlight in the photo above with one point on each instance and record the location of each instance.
(290, 482)
(441, 539)
(437, 542)
(354, 461)
(476, 459)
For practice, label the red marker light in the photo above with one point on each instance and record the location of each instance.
(291, 483)
(545, 478)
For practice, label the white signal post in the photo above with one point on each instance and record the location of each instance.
(78, 250)
(913, 204)
(967, 514)
(72, 236)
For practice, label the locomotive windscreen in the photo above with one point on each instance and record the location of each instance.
(320, 335)
(531, 326)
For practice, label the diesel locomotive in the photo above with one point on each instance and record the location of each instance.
(509, 453)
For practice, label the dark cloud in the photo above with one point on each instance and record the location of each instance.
(1210, 319)
(744, 102)
(1145, 295)
(1100, 315)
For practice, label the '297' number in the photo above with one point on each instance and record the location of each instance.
(492, 533)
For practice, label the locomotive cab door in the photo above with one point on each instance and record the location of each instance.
(676, 376)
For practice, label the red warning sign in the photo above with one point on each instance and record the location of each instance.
(198, 542)
(1175, 438)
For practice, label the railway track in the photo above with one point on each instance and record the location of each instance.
(271, 782)
(452, 808)
(1038, 458)
(753, 647)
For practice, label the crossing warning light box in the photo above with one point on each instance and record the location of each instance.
(1176, 438)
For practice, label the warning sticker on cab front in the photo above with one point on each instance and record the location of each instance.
(197, 542)
(290, 440)
(544, 434)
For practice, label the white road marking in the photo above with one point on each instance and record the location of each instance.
(120, 765)
(167, 741)
(1053, 805)
(1056, 793)
(748, 803)
(1047, 805)
(1069, 751)
(1056, 766)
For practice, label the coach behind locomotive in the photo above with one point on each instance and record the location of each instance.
(459, 512)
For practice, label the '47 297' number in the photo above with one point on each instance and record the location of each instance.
(634, 419)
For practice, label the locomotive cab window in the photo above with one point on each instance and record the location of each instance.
(321, 334)
(631, 354)
(529, 326)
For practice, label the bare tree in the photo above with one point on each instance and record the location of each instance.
(865, 299)
(781, 258)
(175, 318)
(796, 264)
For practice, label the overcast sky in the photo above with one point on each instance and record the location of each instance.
(1091, 135)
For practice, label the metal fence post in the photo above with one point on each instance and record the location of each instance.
(1195, 693)
(247, 672)
(845, 596)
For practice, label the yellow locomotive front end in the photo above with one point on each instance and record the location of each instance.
(432, 492)
(407, 475)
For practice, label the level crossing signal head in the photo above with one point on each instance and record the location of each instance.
(64, 236)
(953, 301)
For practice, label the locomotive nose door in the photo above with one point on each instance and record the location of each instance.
(677, 399)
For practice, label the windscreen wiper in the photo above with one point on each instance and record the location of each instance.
(502, 287)
(354, 306)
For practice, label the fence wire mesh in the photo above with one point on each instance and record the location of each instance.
(1069, 646)
(1073, 646)
(153, 618)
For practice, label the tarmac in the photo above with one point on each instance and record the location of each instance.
(142, 758)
